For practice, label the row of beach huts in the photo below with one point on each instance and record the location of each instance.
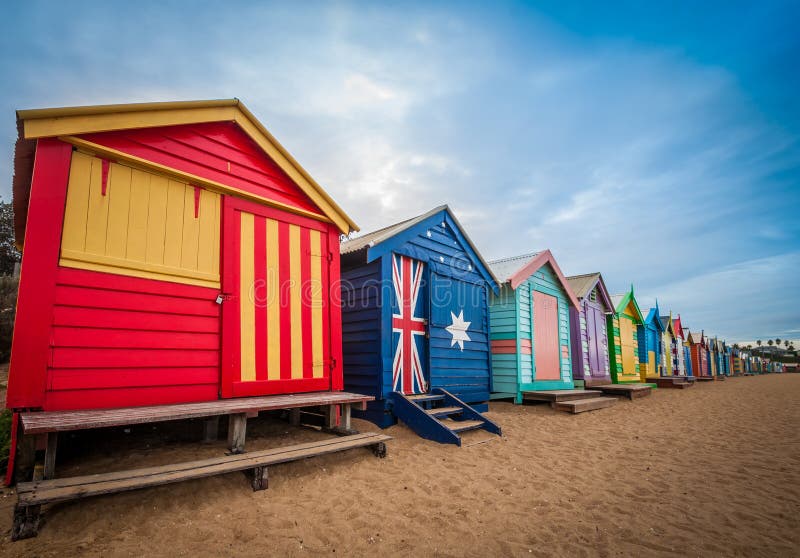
(178, 263)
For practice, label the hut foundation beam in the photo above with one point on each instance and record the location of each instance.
(50, 455)
(211, 430)
(260, 480)
(331, 414)
(346, 417)
(294, 416)
(237, 431)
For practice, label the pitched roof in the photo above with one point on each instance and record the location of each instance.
(375, 238)
(582, 286)
(622, 300)
(69, 121)
(505, 268)
(517, 269)
(668, 323)
(654, 318)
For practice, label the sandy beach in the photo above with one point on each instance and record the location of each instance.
(709, 471)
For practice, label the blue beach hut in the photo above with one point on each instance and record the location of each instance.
(415, 325)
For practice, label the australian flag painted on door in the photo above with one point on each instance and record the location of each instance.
(415, 313)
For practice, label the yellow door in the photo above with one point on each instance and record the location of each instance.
(668, 353)
(626, 339)
(651, 364)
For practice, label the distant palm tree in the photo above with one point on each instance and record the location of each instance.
(758, 342)
(786, 343)
(749, 347)
(777, 342)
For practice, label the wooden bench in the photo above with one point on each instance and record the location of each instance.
(32, 495)
(49, 424)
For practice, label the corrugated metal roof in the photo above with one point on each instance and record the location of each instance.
(581, 285)
(378, 236)
(505, 268)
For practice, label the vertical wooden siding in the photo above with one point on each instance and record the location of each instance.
(579, 341)
(142, 224)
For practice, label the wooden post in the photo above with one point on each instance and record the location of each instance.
(211, 430)
(237, 430)
(345, 417)
(294, 416)
(260, 479)
(26, 457)
(331, 414)
(26, 522)
(50, 455)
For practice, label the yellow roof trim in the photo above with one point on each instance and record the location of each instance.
(70, 121)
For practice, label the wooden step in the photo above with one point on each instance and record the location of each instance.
(442, 411)
(583, 405)
(631, 391)
(424, 397)
(669, 382)
(462, 425)
(71, 488)
(554, 395)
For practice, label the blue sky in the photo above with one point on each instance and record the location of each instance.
(657, 143)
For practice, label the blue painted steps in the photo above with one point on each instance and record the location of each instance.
(439, 416)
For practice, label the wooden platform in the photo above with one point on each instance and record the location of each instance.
(631, 391)
(31, 495)
(676, 382)
(575, 406)
(63, 421)
(704, 379)
(556, 395)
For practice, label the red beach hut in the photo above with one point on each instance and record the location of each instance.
(173, 253)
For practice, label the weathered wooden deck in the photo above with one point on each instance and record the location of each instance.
(556, 395)
(576, 406)
(676, 382)
(571, 400)
(631, 391)
(63, 421)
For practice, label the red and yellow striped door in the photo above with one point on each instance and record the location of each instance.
(275, 302)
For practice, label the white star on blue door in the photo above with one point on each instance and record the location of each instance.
(458, 329)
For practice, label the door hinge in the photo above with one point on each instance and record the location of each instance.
(222, 297)
(332, 363)
(330, 256)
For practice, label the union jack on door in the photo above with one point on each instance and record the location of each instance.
(409, 325)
